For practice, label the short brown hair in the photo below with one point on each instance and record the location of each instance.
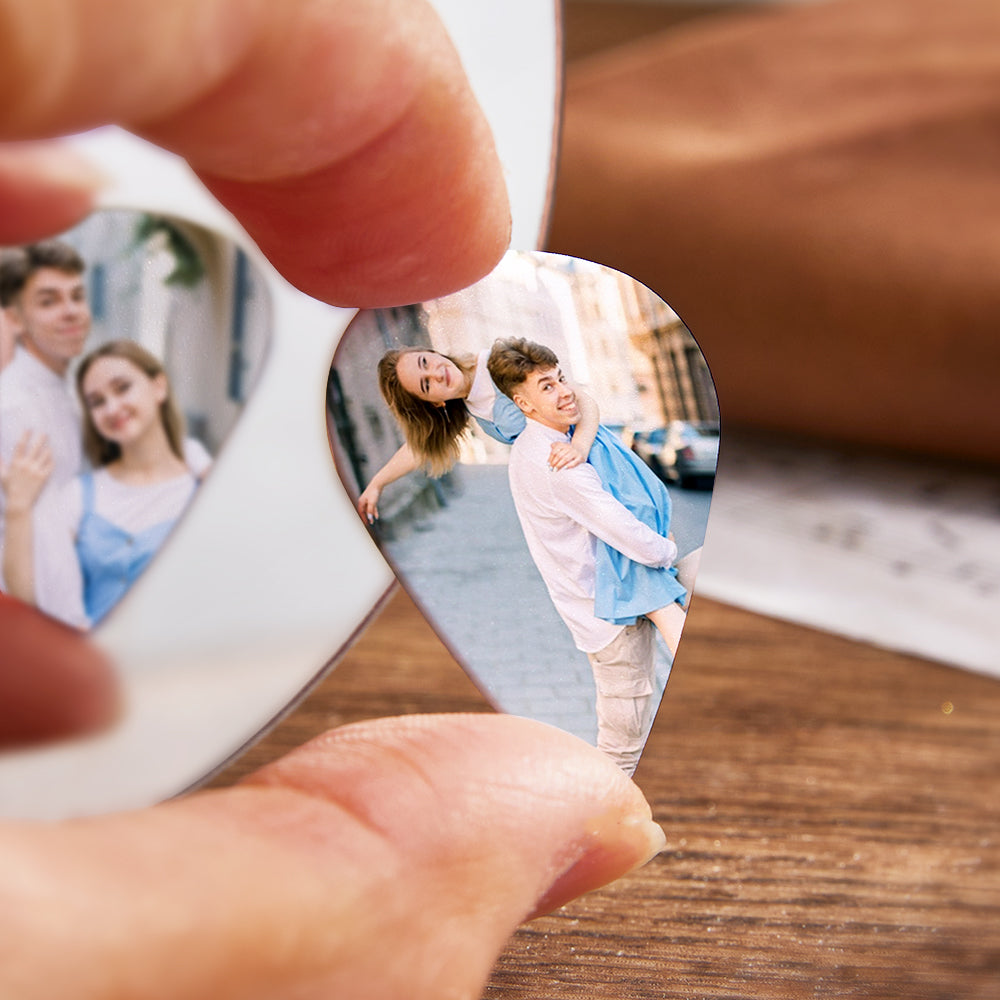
(432, 432)
(18, 264)
(512, 361)
(102, 452)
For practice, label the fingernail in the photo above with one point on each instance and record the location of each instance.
(51, 188)
(55, 163)
(613, 846)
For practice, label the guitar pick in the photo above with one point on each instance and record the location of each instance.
(129, 346)
(270, 574)
(562, 590)
(234, 586)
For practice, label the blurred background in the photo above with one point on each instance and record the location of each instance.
(811, 186)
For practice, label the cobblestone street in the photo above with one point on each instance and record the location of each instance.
(468, 567)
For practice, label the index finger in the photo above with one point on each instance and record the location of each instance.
(344, 136)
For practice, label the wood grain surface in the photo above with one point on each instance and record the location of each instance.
(831, 813)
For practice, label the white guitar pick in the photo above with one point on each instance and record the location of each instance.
(542, 588)
(270, 572)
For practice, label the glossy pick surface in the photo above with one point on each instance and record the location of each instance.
(499, 567)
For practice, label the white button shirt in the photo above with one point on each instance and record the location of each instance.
(562, 515)
(32, 397)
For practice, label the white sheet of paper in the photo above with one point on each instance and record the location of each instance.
(895, 551)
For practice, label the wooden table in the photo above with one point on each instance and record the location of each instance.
(832, 810)
(832, 813)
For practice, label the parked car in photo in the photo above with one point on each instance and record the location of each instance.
(682, 452)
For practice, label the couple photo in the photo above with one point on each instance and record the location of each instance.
(572, 502)
(99, 459)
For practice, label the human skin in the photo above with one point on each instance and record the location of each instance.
(318, 124)
(54, 317)
(437, 833)
(124, 402)
(547, 397)
(321, 126)
(432, 377)
(22, 480)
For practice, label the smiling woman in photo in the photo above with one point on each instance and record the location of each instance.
(75, 554)
(434, 397)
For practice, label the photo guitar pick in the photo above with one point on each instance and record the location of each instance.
(535, 457)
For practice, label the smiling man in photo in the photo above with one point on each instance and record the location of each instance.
(42, 289)
(563, 514)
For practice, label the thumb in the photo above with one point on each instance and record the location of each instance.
(386, 859)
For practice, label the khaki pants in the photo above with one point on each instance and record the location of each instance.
(625, 678)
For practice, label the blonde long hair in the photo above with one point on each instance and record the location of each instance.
(433, 432)
(103, 452)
